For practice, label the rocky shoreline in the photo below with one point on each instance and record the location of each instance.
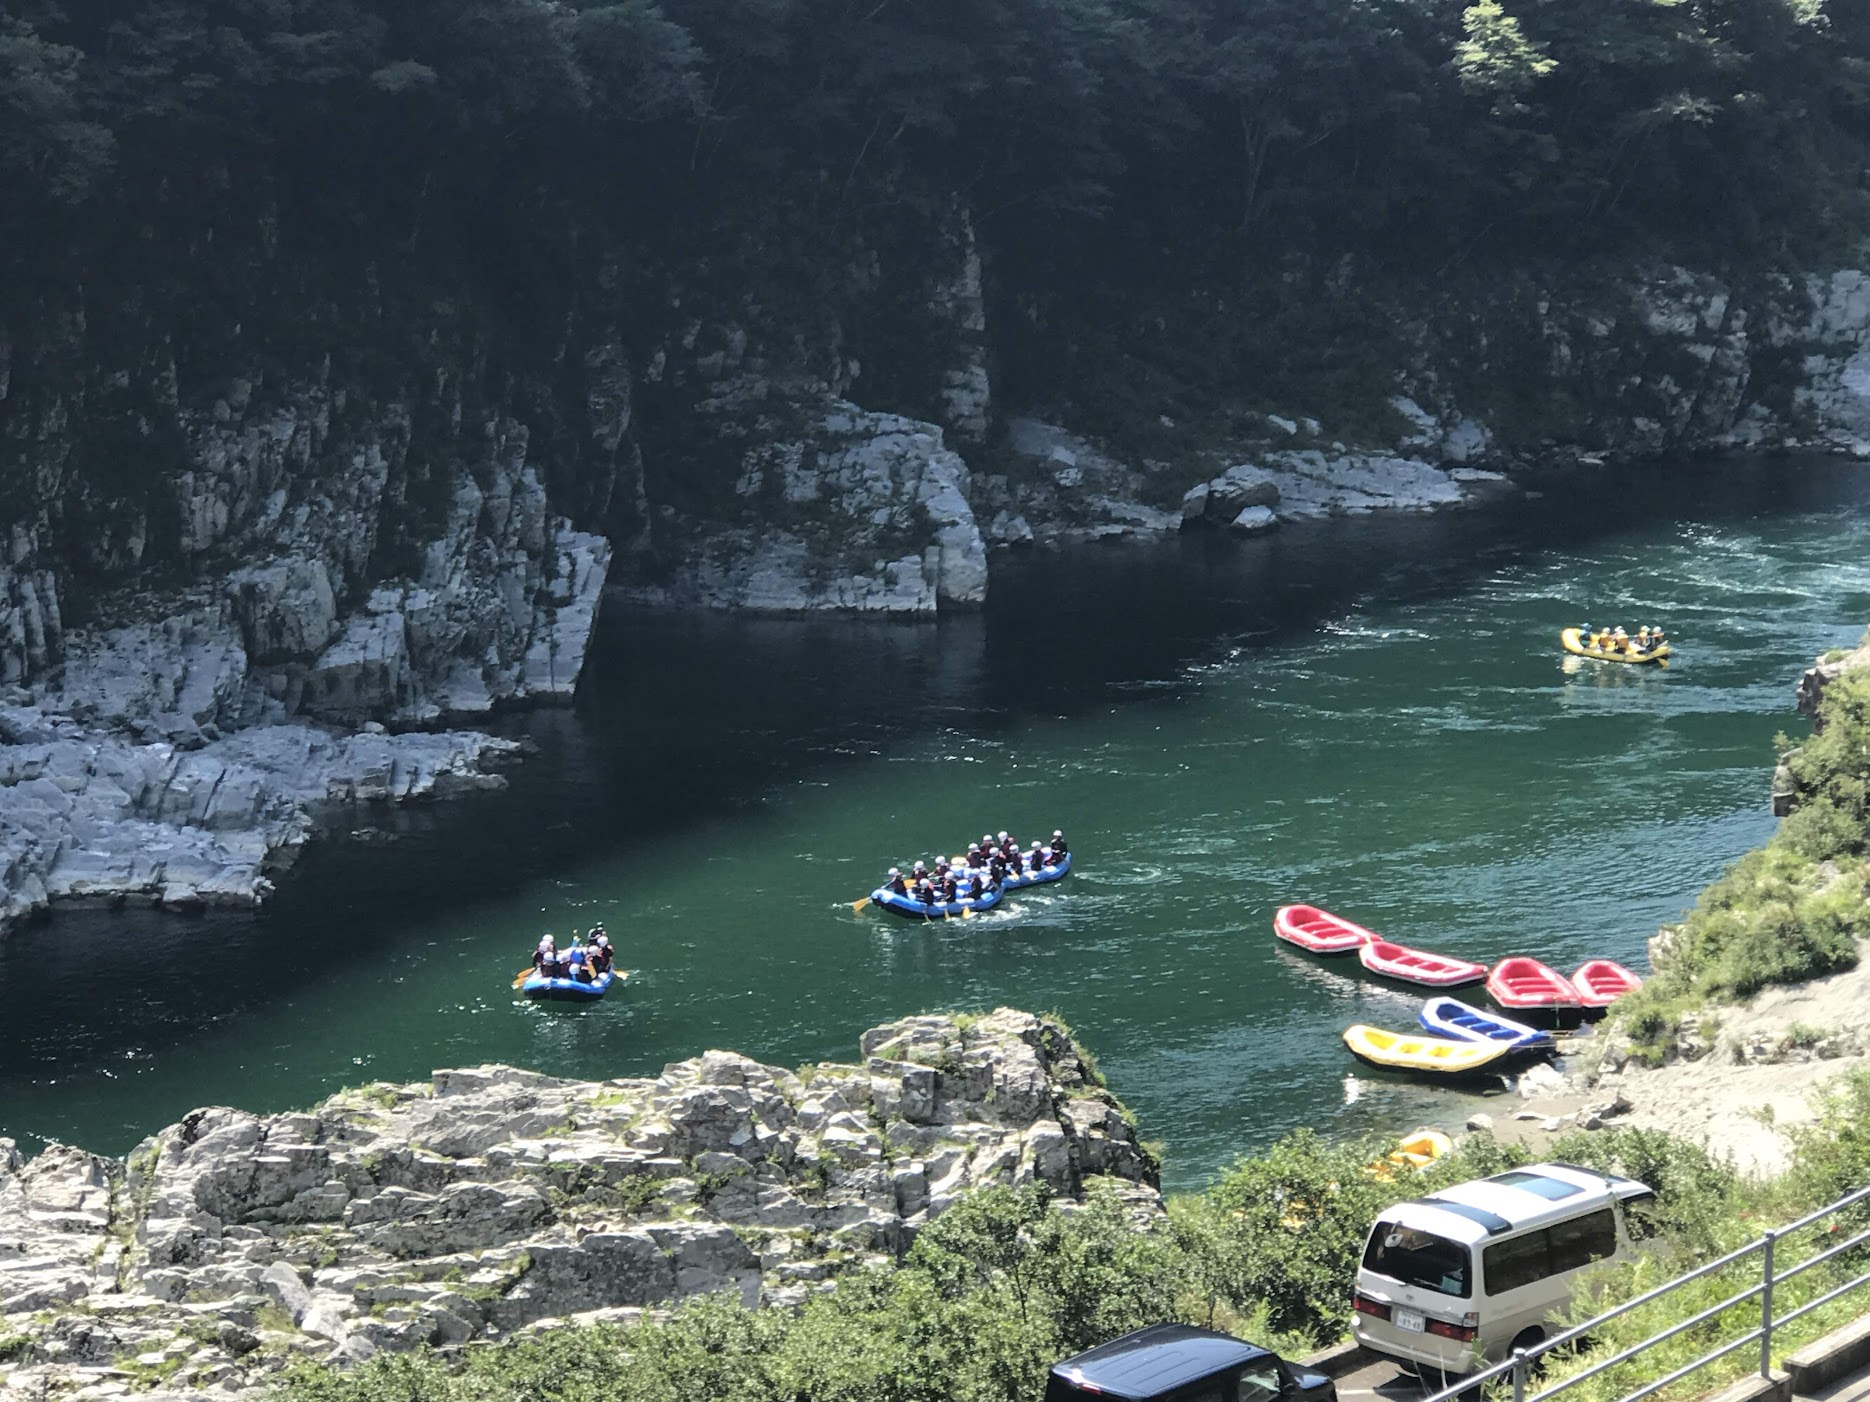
(491, 1200)
(199, 662)
(1743, 1083)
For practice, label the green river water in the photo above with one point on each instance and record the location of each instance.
(1370, 715)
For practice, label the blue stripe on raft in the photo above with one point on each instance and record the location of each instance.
(1450, 1017)
(943, 910)
(567, 990)
(1041, 876)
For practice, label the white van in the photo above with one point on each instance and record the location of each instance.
(1461, 1278)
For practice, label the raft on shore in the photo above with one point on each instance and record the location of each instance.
(1436, 1056)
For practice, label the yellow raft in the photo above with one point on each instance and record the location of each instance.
(1417, 1149)
(1414, 1052)
(1572, 642)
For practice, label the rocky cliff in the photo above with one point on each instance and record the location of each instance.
(237, 533)
(491, 1200)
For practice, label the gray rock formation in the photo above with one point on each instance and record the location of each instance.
(833, 508)
(489, 1200)
(98, 814)
(169, 750)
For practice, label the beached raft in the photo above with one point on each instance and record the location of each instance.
(1455, 1020)
(1524, 984)
(1600, 982)
(1434, 1056)
(1318, 931)
(1398, 961)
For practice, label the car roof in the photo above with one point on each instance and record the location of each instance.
(1519, 1198)
(1155, 1360)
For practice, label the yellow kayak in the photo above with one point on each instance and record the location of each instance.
(1570, 640)
(1414, 1052)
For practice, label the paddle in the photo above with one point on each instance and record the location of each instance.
(522, 976)
(857, 906)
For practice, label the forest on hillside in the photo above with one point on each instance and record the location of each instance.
(1255, 125)
(203, 168)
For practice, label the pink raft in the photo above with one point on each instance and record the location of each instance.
(1319, 931)
(1524, 984)
(1398, 961)
(1600, 982)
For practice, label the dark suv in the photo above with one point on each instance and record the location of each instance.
(1179, 1363)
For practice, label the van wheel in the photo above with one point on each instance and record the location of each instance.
(1528, 1339)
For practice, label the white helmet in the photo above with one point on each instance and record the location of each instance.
(1058, 832)
(895, 871)
(1035, 844)
(1003, 834)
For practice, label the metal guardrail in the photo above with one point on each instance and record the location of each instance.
(1519, 1366)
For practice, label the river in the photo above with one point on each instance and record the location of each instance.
(1369, 714)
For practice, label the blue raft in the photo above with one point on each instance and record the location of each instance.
(1450, 1017)
(942, 910)
(568, 990)
(1056, 872)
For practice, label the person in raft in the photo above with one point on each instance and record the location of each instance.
(1656, 639)
(896, 885)
(1059, 848)
(545, 958)
(599, 952)
(577, 967)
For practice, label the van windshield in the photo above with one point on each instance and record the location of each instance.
(1413, 1257)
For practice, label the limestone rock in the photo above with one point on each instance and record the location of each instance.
(489, 1199)
(837, 508)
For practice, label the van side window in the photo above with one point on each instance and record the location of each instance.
(1583, 1240)
(1520, 1261)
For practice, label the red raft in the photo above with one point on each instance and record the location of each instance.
(1525, 983)
(1319, 931)
(1398, 961)
(1600, 982)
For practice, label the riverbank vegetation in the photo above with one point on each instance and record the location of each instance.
(1794, 909)
(1006, 1283)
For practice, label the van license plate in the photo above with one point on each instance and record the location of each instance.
(1409, 1320)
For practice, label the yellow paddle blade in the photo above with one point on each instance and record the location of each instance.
(522, 976)
(966, 914)
(859, 905)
